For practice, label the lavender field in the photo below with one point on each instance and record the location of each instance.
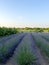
(25, 49)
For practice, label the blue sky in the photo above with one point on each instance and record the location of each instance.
(24, 13)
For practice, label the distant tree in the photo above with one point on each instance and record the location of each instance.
(7, 31)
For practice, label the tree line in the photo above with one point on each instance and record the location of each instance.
(7, 31)
(27, 29)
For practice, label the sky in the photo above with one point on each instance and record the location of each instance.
(24, 13)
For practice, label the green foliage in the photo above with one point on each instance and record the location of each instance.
(27, 29)
(7, 31)
(38, 30)
(25, 57)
